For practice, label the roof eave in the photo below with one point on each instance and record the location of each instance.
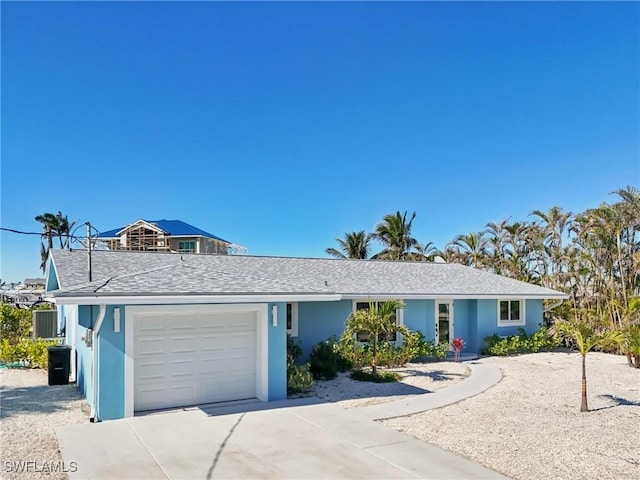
(146, 299)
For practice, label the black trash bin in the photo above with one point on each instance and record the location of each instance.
(59, 364)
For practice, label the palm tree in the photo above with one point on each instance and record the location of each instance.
(587, 338)
(53, 225)
(353, 245)
(472, 248)
(378, 322)
(425, 252)
(394, 232)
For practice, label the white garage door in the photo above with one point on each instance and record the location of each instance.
(190, 359)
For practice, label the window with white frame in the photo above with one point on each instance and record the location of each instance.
(511, 313)
(364, 336)
(292, 319)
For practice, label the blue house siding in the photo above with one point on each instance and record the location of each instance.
(277, 341)
(462, 323)
(111, 366)
(488, 320)
(419, 316)
(318, 321)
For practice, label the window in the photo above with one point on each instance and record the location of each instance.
(187, 247)
(292, 319)
(364, 336)
(511, 312)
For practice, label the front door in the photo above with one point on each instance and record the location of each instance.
(444, 321)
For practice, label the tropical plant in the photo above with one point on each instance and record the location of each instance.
(394, 232)
(299, 378)
(585, 339)
(57, 225)
(325, 360)
(457, 344)
(355, 245)
(631, 345)
(378, 322)
(15, 323)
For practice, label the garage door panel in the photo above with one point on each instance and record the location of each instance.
(192, 359)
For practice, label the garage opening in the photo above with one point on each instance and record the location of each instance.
(182, 359)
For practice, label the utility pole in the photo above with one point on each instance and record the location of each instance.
(89, 245)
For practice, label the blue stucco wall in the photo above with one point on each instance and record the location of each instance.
(419, 316)
(318, 321)
(86, 317)
(487, 323)
(462, 323)
(111, 366)
(277, 340)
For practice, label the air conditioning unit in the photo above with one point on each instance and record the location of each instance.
(45, 324)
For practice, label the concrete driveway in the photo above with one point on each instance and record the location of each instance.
(296, 440)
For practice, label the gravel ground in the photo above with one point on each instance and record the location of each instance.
(29, 412)
(529, 425)
(417, 378)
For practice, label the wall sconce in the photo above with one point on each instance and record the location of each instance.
(116, 320)
(274, 315)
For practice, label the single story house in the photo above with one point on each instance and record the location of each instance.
(159, 330)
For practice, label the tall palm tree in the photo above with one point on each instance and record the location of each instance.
(394, 232)
(353, 245)
(586, 338)
(53, 225)
(472, 248)
(424, 252)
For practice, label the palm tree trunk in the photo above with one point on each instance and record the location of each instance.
(374, 352)
(583, 406)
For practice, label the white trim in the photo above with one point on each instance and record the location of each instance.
(129, 352)
(262, 354)
(454, 296)
(293, 331)
(192, 299)
(449, 302)
(139, 222)
(102, 309)
(73, 315)
(262, 371)
(513, 323)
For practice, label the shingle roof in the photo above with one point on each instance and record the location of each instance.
(150, 273)
(176, 228)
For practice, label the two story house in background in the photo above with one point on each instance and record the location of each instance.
(163, 236)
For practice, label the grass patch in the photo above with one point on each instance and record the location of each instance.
(380, 377)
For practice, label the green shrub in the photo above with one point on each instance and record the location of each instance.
(438, 350)
(299, 379)
(353, 354)
(539, 341)
(380, 377)
(29, 353)
(326, 360)
(15, 323)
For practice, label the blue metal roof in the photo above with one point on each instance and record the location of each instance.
(177, 228)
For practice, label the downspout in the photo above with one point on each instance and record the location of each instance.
(94, 363)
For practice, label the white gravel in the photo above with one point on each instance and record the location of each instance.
(29, 412)
(529, 425)
(417, 378)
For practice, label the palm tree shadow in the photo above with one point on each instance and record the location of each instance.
(619, 401)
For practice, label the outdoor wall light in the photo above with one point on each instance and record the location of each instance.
(274, 315)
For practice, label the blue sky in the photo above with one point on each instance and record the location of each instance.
(280, 126)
